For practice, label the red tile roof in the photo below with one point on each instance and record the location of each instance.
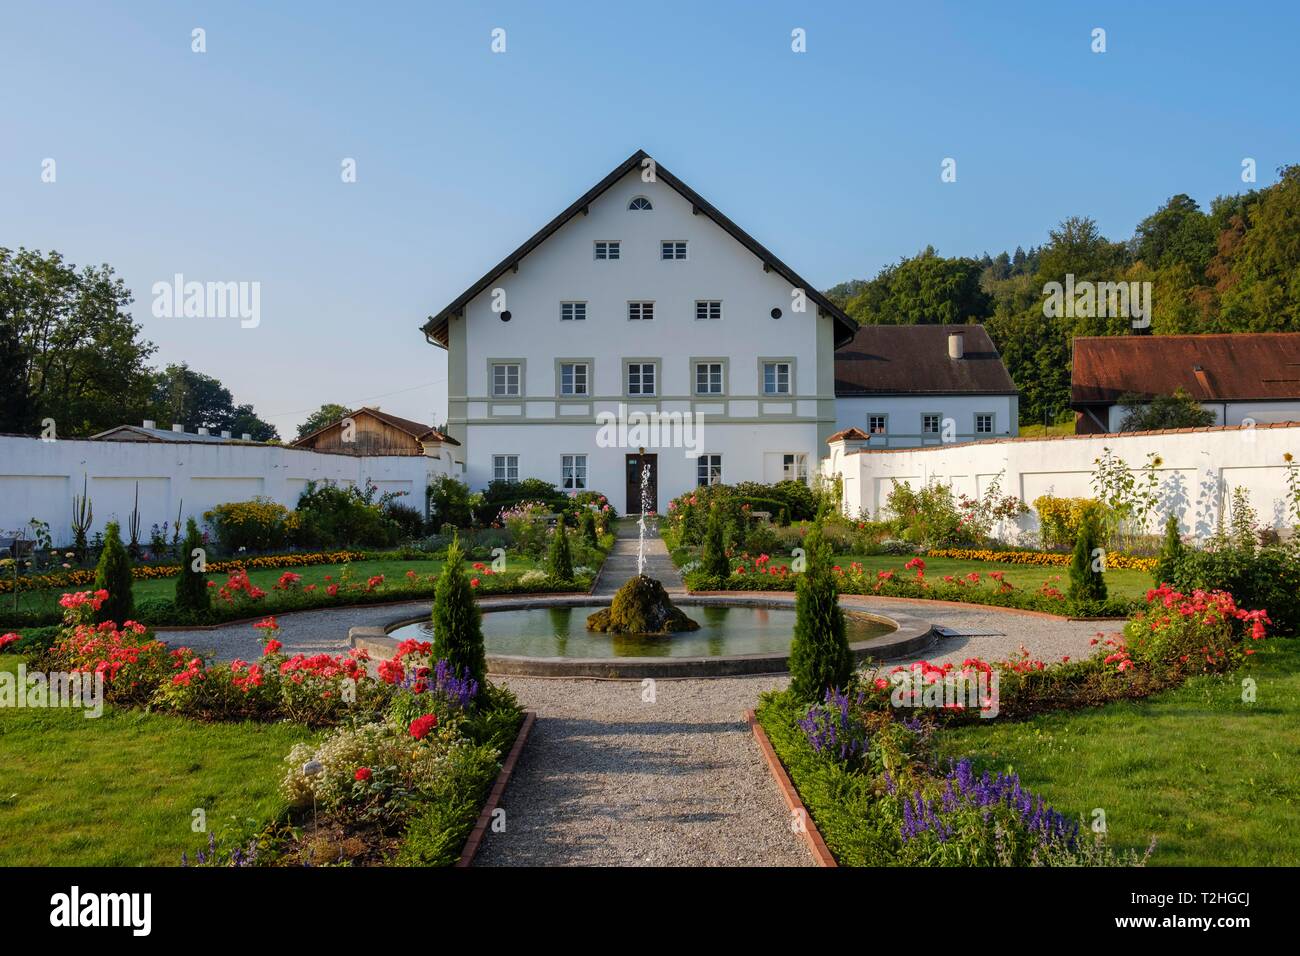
(1243, 366)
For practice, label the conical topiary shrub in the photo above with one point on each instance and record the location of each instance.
(1086, 581)
(819, 655)
(457, 622)
(1171, 553)
(113, 574)
(587, 528)
(192, 585)
(713, 551)
(560, 560)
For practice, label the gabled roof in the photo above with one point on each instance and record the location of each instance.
(849, 434)
(913, 360)
(165, 435)
(417, 430)
(1242, 366)
(436, 326)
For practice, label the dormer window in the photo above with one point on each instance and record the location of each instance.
(639, 204)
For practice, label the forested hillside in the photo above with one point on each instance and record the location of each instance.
(1233, 268)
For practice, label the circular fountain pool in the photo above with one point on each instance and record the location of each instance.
(548, 637)
(724, 632)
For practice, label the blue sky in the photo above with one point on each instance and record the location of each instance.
(225, 165)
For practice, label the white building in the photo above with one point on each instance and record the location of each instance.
(904, 386)
(640, 297)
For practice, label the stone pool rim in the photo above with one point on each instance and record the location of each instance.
(910, 635)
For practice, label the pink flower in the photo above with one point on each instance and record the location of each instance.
(363, 773)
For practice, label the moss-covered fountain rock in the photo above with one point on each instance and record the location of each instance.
(641, 606)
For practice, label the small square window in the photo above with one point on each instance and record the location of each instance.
(606, 249)
(672, 249)
(640, 311)
(708, 309)
(641, 378)
(776, 378)
(877, 424)
(573, 378)
(708, 378)
(930, 424)
(984, 423)
(573, 311)
(505, 380)
(708, 470)
(505, 467)
(573, 472)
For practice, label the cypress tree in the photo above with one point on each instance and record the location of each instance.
(192, 586)
(113, 574)
(561, 558)
(587, 528)
(457, 622)
(819, 655)
(1086, 583)
(713, 553)
(1171, 553)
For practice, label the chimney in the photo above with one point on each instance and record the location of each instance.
(178, 428)
(247, 437)
(225, 434)
(150, 423)
(203, 430)
(956, 344)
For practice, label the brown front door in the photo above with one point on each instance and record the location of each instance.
(635, 465)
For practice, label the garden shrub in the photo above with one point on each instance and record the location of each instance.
(819, 654)
(330, 516)
(191, 583)
(526, 523)
(1086, 580)
(1265, 578)
(113, 574)
(560, 560)
(409, 521)
(449, 503)
(587, 527)
(713, 557)
(1059, 519)
(257, 525)
(1171, 553)
(457, 622)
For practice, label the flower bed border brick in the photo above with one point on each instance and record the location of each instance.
(475, 838)
(821, 853)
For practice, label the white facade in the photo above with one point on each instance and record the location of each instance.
(38, 479)
(1198, 471)
(738, 419)
(907, 417)
(1227, 413)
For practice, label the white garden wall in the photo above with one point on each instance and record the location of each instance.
(38, 479)
(1199, 470)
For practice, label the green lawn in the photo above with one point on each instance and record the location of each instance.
(120, 790)
(1215, 780)
(1027, 577)
(393, 569)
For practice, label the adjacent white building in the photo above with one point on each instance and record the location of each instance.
(904, 386)
(640, 329)
(1250, 378)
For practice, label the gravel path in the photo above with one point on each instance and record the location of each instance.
(609, 779)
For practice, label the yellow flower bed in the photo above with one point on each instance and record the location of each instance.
(145, 572)
(1114, 559)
